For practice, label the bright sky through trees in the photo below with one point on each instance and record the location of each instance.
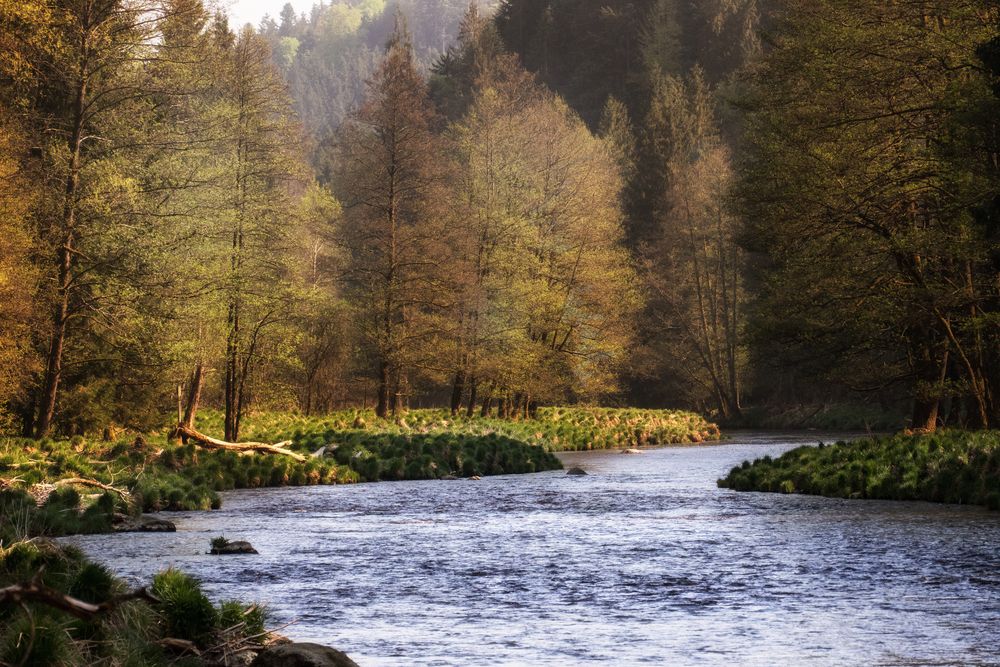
(252, 11)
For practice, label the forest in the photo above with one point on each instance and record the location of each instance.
(730, 206)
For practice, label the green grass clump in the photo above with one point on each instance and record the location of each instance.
(127, 634)
(945, 467)
(187, 612)
(62, 513)
(388, 457)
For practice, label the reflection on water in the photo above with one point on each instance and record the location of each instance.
(643, 561)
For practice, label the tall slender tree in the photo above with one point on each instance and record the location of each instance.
(395, 237)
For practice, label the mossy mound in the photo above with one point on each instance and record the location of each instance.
(946, 467)
(389, 457)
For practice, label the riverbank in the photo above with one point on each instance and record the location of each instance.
(947, 467)
(151, 473)
(382, 571)
(57, 607)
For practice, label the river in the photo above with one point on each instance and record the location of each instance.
(642, 561)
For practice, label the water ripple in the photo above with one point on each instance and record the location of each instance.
(643, 561)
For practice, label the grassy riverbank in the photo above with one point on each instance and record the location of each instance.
(946, 467)
(157, 474)
(43, 623)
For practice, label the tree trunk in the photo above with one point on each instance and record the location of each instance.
(473, 387)
(212, 443)
(194, 395)
(232, 371)
(64, 258)
(382, 404)
(397, 392)
(457, 390)
(931, 371)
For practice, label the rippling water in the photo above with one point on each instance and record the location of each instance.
(643, 561)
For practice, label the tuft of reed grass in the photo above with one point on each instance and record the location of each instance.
(946, 467)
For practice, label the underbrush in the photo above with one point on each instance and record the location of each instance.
(946, 467)
(826, 417)
(178, 625)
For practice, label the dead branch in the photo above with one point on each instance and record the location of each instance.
(35, 591)
(179, 645)
(123, 494)
(212, 443)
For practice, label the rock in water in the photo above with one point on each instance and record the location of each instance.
(631, 451)
(302, 655)
(237, 547)
(142, 524)
(576, 471)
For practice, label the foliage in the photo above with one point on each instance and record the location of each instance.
(867, 157)
(347, 447)
(128, 634)
(946, 467)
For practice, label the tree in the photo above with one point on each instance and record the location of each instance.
(547, 291)
(392, 232)
(18, 275)
(258, 158)
(694, 267)
(859, 196)
(85, 99)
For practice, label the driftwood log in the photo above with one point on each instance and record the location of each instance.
(211, 443)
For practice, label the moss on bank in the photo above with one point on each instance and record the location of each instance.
(946, 467)
(130, 632)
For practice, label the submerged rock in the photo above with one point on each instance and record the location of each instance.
(302, 655)
(141, 524)
(576, 471)
(632, 451)
(230, 548)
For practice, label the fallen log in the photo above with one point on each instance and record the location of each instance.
(211, 443)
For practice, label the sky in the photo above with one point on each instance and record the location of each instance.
(252, 11)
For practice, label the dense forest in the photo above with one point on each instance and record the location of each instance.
(716, 204)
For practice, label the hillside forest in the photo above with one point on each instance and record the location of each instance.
(731, 206)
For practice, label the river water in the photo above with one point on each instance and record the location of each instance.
(642, 561)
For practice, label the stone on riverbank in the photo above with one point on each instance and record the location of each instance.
(302, 655)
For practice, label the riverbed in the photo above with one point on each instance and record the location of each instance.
(642, 561)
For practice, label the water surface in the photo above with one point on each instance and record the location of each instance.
(643, 561)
